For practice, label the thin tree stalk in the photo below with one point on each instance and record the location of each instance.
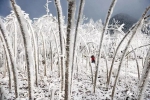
(35, 53)
(146, 17)
(71, 13)
(60, 23)
(91, 72)
(137, 64)
(51, 56)
(27, 46)
(137, 48)
(10, 56)
(115, 54)
(144, 78)
(76, 34)
(8, 67)
(59, 71)
(101, 39)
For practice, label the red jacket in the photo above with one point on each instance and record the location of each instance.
(92, 58)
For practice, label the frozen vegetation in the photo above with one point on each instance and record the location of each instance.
(47, 59)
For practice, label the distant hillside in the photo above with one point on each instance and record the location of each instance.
(124, 18)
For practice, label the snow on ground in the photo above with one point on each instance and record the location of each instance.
(48, 88)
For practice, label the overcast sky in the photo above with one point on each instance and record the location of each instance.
(95, 9)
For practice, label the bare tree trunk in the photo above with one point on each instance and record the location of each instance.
(68, 62)
(125, 50)
(101, 39)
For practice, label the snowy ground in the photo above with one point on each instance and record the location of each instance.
(48, 88)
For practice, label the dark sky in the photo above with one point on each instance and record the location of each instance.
(95, 9)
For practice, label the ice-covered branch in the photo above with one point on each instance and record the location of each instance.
(101, 39)
(80, 12)
(144, 78)
(10, 55)
(147, 17)
(137, 48)
(68, 62)
(46, 6)
(61, 33)
(126, 47)
(115, 54)
(27, 44)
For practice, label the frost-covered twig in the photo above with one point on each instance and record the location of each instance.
(46, 6)
(147, 17)
(137, 48)
(101, 39)
(138, 70)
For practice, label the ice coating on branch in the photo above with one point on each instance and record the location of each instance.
(69, 47)
(28, 47)
(10, 55)
(144, 78)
